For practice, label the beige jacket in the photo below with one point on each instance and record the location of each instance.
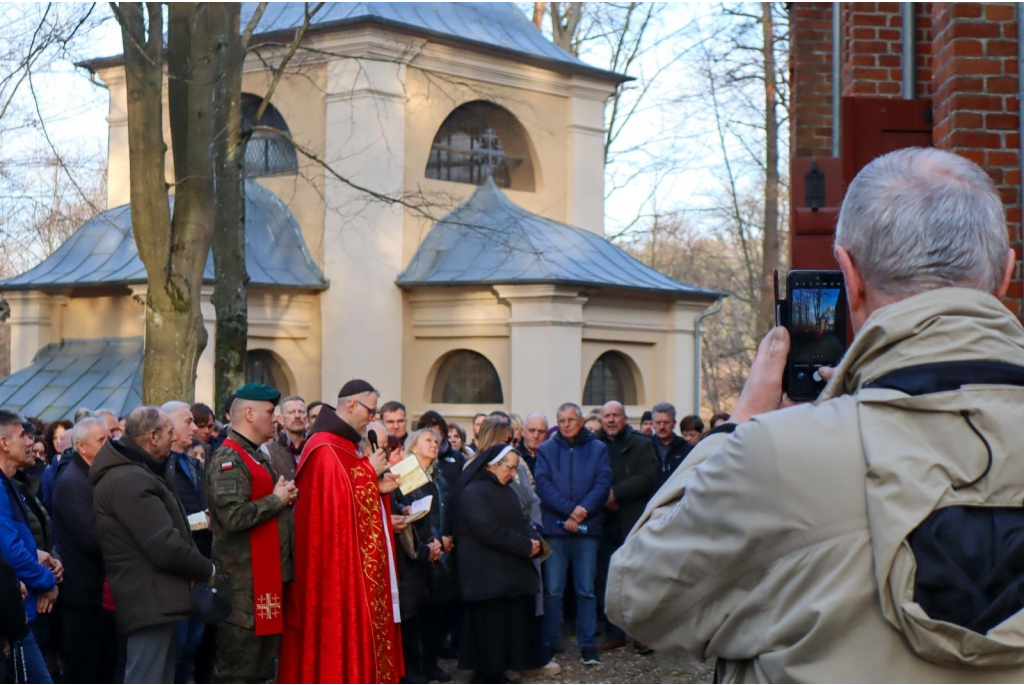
(787, 559)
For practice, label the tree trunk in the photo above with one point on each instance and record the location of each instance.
(174, 248)
(230, 292)
(770, 246)
(565, 18)
(538, 13)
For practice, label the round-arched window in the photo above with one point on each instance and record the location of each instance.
(610, 378)
(266, 153)
(467, 377)
(261, 366)
(481, 140)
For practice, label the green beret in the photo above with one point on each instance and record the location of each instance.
(258, 393)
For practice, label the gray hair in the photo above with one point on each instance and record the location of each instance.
(570, 405)
(664, 408)
(175, 405)
(80, 432)
(103, 411)
(83, 412)
(918, 219)
(410, 441)
(142, 420)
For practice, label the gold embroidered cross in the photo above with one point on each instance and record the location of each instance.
(268, 605)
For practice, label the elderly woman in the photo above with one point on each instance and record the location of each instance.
(496, 575)
(427, 584)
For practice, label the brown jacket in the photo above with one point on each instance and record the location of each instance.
(148, 552)
(790, 551)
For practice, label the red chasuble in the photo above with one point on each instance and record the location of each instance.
(339, 620)
(265, 551)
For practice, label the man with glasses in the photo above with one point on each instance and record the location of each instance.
(341, 622)
(574, 477)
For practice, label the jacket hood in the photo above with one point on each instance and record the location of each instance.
(116, 453)
(943, 473)
(582, 437)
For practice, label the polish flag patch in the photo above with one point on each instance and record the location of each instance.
(226, 466)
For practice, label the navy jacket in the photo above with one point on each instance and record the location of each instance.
(570, 475)
(450, 461)
(189, 483)
(75, 535)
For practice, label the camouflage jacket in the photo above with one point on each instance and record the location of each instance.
(228, 491)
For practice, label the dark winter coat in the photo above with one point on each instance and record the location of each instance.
(188, 477)
(13, 625)
(570, 475)
(148, 551)
(674, 456)
(75, 534)
(494, 542)
(450, 461)
(428, 582)
(635, 472)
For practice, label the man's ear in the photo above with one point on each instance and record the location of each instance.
(1004, 284)
(855, 291)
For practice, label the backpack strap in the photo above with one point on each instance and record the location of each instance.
(925, 379)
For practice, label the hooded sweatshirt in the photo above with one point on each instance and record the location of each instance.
(874, 536)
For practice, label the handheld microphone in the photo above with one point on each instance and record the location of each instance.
(372, 437)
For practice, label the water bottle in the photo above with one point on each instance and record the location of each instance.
(581, 529)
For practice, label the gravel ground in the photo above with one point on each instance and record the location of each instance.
(622, 665)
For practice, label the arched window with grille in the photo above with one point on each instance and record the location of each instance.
(263, 366)
(610, 378)
(481, 140)
(266, 153)
(467, 377)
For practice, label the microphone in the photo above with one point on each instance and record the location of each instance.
(371, 435)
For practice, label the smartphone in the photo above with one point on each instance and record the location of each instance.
(814, 311)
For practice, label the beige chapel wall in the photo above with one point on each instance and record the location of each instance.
(106, 316)
(544, 116)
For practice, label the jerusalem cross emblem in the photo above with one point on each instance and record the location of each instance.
(268, 606)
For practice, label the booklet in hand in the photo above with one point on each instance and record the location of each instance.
(420, 508)
(410, 475)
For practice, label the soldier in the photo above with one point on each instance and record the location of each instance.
(250, 507)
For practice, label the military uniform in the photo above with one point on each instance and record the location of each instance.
(241, 655)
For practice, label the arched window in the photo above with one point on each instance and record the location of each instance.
(466, 377)
(262, 366)
(266, 153)
(610, 378)
(480, 140)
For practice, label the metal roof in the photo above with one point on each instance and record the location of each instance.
(490, 25)
(77, 373)
(102, 251)
(490, 240)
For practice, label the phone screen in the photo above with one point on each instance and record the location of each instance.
(817, 329)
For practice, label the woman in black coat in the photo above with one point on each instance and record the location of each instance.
(497, 579)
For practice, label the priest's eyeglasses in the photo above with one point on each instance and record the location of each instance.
(373, 412)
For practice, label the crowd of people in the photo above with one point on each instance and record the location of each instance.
(113, 529)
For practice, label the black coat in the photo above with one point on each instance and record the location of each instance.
(13, 625)
(76, 536)
(493, 542)
(192, 493)
(677, 451)
(634, 479)
(450, 461)
(148, 551)
(439, 575)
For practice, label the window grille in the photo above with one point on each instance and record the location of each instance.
(266, 153)
(466, 377)
(468, 150)
(610, 378)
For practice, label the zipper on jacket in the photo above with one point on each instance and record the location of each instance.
(572, 495)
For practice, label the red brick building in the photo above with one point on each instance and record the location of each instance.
(853, 101)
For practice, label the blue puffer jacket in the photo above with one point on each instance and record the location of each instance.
(571, 474)
(18, 547)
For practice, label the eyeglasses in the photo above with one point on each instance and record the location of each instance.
(373, 412)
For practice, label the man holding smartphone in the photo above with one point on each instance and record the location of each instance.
(869, 536)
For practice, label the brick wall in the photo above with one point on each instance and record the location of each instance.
(811, 79)
(975, 101)
(872, 49)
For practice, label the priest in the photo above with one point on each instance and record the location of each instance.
(341, 613)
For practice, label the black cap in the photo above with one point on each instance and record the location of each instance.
(646, 416)
(355, 387)
(257, 392)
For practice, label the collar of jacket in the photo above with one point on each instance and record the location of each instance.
(621, 436)
(130, 449)
(946, 324)
(251, 447)
(583, 436)
(332, 423)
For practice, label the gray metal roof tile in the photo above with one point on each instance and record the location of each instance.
(490, 240)
(75, 373)
(493, 25)
(102, 251)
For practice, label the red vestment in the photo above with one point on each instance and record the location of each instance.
(339, 619)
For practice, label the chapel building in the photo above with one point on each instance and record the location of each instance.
(492, 288)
